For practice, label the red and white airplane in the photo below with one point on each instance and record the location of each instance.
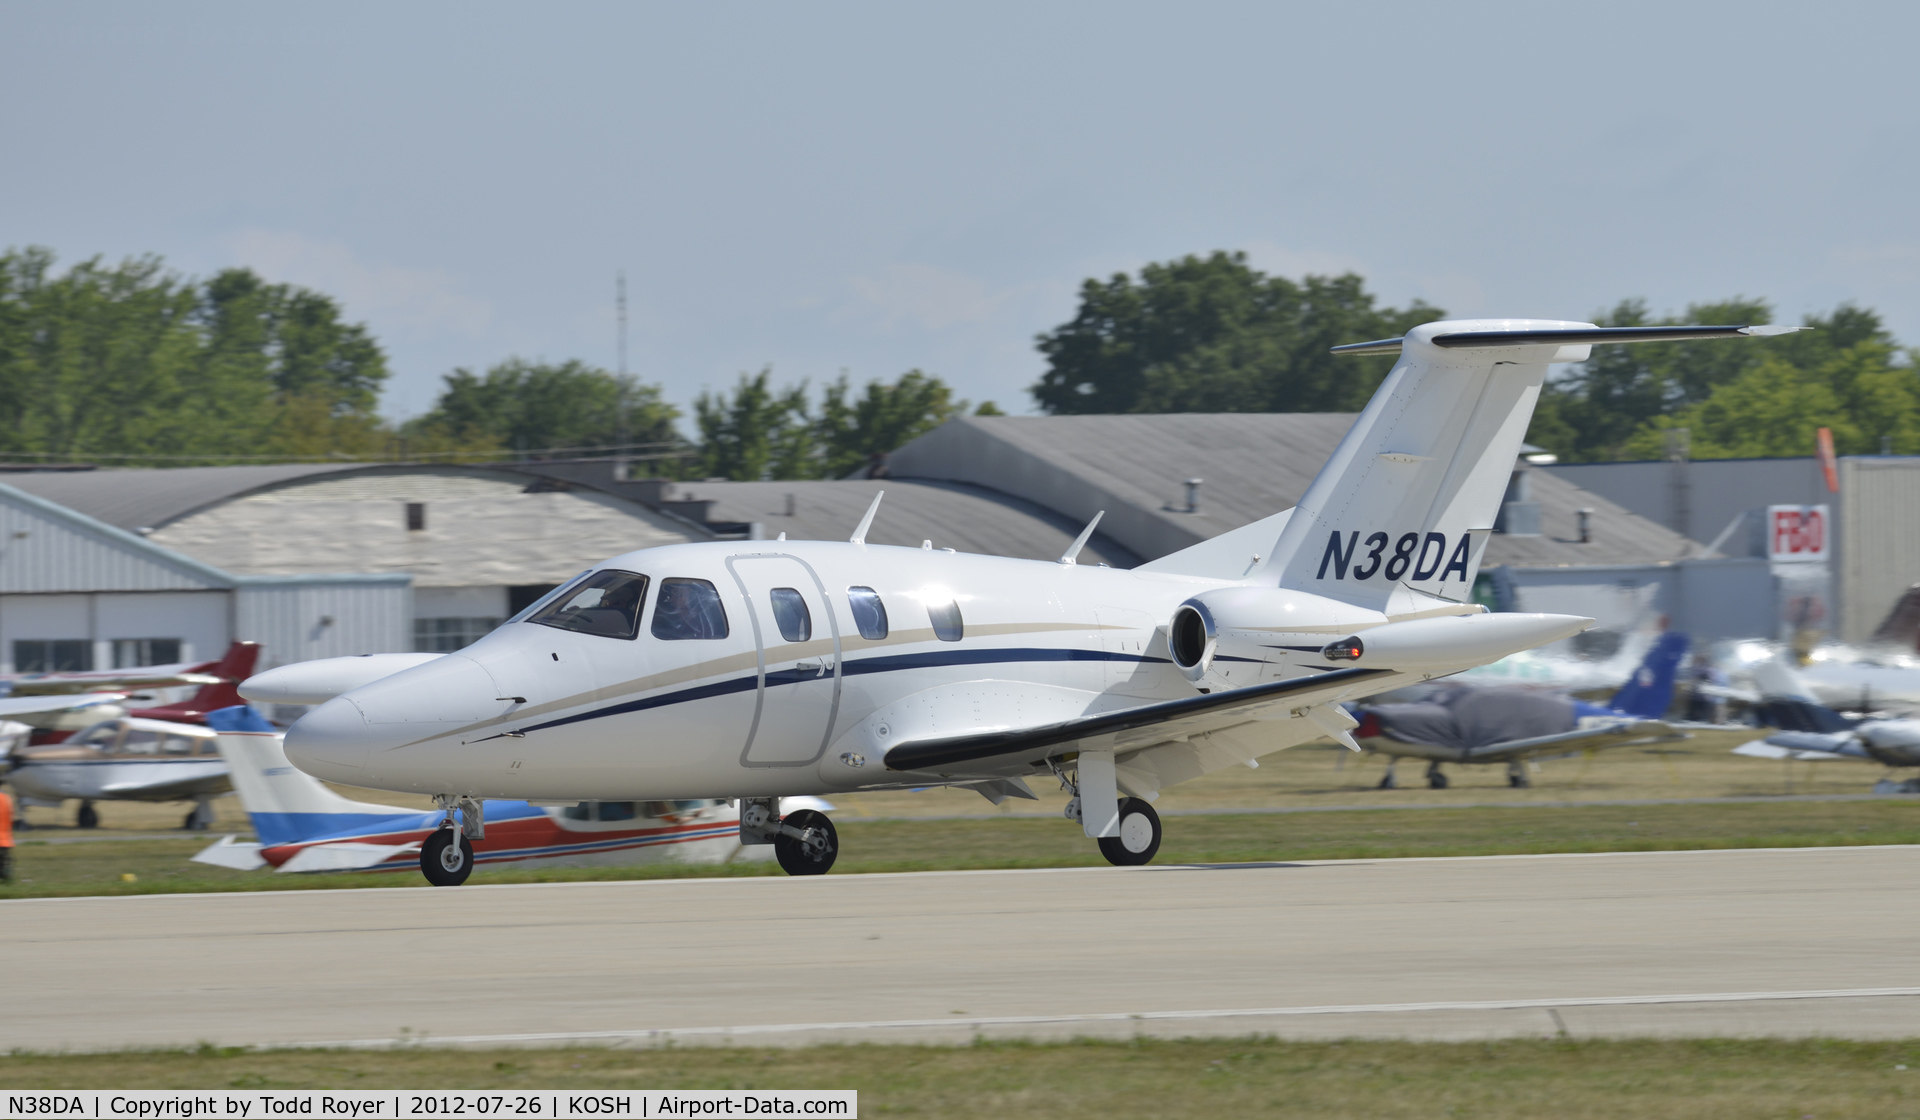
(769, 669)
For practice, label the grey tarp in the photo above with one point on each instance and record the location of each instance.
(1463, 718)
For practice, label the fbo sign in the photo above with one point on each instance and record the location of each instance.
(1796, 533)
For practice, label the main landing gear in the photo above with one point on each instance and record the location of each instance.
(89, 817)
(1436, 777)
(1517, 775)
(200, 817)
(803, 841)
(446, 859)
(1133, 838)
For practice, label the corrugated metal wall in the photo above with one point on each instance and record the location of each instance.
(43, 552)
(1879, 539)
(299, 619)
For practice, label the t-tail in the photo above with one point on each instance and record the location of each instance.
(1648, 693)
(285, 804)
(1399, 517)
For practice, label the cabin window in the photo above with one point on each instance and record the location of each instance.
(689, 610)
(947, 625)
(791, 615)
(869, 613)
(101, 736)
(140, 742)
(600, 811)
(176, 744)
(605, 604)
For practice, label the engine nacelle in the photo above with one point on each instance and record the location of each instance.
(1447, 645)
(1224, 638)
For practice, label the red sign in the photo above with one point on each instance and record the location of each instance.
(1796, 533)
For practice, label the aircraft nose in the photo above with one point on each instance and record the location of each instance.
(330, 742)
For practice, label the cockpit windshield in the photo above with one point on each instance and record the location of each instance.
(606, 603)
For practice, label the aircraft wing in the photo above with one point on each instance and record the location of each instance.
(31, 705)
(1135, 729)
(61, 684)
(1624, 734)
(1807, 746)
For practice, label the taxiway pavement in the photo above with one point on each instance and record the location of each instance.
(1755, 942)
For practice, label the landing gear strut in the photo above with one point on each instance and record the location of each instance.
(1134, 836)
(200, 817)
(1517, 775)
(1387, 780)
(804, 841)
(1436, 777)
(446, 859)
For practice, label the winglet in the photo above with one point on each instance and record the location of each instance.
(860, 534)
(1080, 542)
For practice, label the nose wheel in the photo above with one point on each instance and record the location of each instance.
(446, 859)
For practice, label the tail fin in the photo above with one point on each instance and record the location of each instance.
(284, 803)
(234, 667)
(1788, 704)
(1398, 518)
(1649, 692)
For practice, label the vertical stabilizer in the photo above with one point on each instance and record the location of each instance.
(1648, 693)
(1398, 518)
(285, 804)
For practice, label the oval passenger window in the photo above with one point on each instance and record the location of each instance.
(946, 620)
(791, 614)
(869, 613)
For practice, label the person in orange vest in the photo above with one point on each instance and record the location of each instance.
(6, 837)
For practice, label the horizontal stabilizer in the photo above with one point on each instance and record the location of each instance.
(344, 856)
(1760, 748)
(30, 705)
(241, 855)
(1577, 336)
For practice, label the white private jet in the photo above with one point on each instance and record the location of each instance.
(759, 670)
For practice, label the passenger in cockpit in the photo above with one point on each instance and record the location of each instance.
(688, 610)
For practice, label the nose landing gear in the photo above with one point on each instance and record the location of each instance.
(446, 859)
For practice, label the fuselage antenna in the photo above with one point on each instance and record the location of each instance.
(1072, 554)
(860, 534)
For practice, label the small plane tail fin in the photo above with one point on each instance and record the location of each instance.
(234, 667)
(1649, 691)
(284, 803)
(1399, 517)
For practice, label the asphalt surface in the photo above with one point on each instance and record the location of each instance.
(1757, 942)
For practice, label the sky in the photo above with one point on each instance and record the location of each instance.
(872, 188)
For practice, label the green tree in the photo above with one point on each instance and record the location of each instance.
(1212, 334)
(527, 406)
(130, 360)
(1744, 398)
(757, 432)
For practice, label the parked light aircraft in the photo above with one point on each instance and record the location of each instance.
(304, 826)
(1465, 722)
(58, 704)
(766, 669)
(1811, 731)
(160, 753)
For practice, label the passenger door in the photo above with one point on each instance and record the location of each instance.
(797, 638)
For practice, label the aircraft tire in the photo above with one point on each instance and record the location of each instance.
(816, 858)
(1139, 835)
(443, 864)
(88, 817)
(1436, 780)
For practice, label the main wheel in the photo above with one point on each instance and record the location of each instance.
(1518, 779)
(1139, 835)
(1436, 779)
(89, 816)
(446, 859)
(813, 855)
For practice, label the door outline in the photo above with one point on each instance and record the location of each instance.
(760, 655)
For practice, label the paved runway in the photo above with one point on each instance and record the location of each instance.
(1786, 942)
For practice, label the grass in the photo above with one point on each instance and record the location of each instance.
(160, 865)
(1643, 1078)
